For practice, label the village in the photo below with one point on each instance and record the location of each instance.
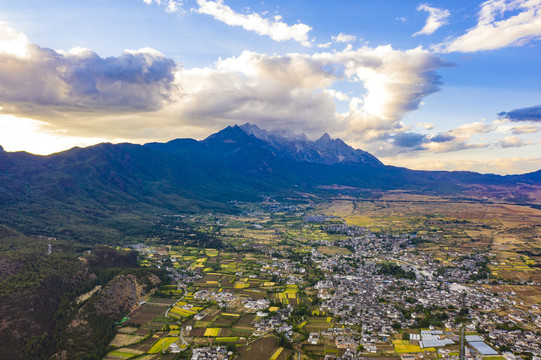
(287, 285)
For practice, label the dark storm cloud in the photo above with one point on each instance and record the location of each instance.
(410, 140)
(532, 113)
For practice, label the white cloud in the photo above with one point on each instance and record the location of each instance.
(456, 144)
(171, 6)
(395, 82)
(144, 94)
(13, 42)
(271, 91)
(467, 130)
(274, 27)
(338, 95)
(436, 19)
(525, 129)
(511, 141)
(296, 90)
(344, 38)
(427, 126)
(493, 31)
(324, 46)
(47, 84)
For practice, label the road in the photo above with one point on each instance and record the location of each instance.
(462, 344)
(182, 297)
(182, 337)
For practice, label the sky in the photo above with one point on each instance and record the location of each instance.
(438, 85)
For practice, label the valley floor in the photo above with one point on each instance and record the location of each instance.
(404, 275)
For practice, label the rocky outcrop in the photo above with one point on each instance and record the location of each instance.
(91, 330)
(124, 292)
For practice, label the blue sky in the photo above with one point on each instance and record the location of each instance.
(427, 85)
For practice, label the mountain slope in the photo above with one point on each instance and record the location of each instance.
(107, 192)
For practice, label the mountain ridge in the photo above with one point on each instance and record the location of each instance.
(324, 150)
(117, 189)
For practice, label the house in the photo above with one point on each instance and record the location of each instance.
(313, 338)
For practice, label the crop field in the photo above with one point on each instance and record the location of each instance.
(404, 346)
(401, 212)
(524, 293)
(276, 353)
(224, 321)
(227, 339)
(213, 332)
(123, 354)
(144, 316)
(261, 349)
(333, 250)
(322, 350)
(211, 252)
(509, 231)
(317, 324)
(163, 343)
(122, 340)
(245, 320)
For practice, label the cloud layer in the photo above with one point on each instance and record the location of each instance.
(143, 93)
(493, 31)
(38, 81)
(513, 165)
(296, 90)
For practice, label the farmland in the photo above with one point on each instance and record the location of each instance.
(305, 279)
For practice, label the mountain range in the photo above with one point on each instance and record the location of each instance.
(110, 191)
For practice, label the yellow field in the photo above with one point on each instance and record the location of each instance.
(276, 354)
(231, 339)
(404, 346)
(230, 314)
(211, 252)
(291, 289)
(212, 332)
(185, 312)
(282, 296)
(162, 343)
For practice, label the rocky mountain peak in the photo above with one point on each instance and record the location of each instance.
(325, 150)
(324, 139)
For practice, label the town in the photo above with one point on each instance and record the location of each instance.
(292, 282)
